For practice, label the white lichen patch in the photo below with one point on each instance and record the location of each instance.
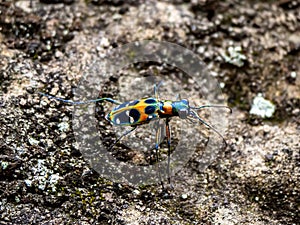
(262, 107)
(40, 174)
(53, 179)
(234, 56)
(28, 182)
(4, 165)
(33, 141)
(20, 150)
(63, 126)
(42, 177)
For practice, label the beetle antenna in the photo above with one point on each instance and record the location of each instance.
(196, 116)
(212, 106)
(82, 102)
(156, 86)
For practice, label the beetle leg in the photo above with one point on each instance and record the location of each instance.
(177, 97)
(168, 134)
(196, 116)
(157, 141)
(156, 86)
(123, 135)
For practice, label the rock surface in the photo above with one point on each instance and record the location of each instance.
(250, 47)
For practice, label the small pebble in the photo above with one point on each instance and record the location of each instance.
(184, 196)
(136, 192)
(293, 74)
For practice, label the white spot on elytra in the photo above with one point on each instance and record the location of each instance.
(131, 119)
(118, 121)
(127, 112)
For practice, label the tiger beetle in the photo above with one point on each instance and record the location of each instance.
(142, 111)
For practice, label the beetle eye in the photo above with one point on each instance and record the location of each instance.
(183, 113)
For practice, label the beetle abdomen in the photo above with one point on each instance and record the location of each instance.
(134, 113)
